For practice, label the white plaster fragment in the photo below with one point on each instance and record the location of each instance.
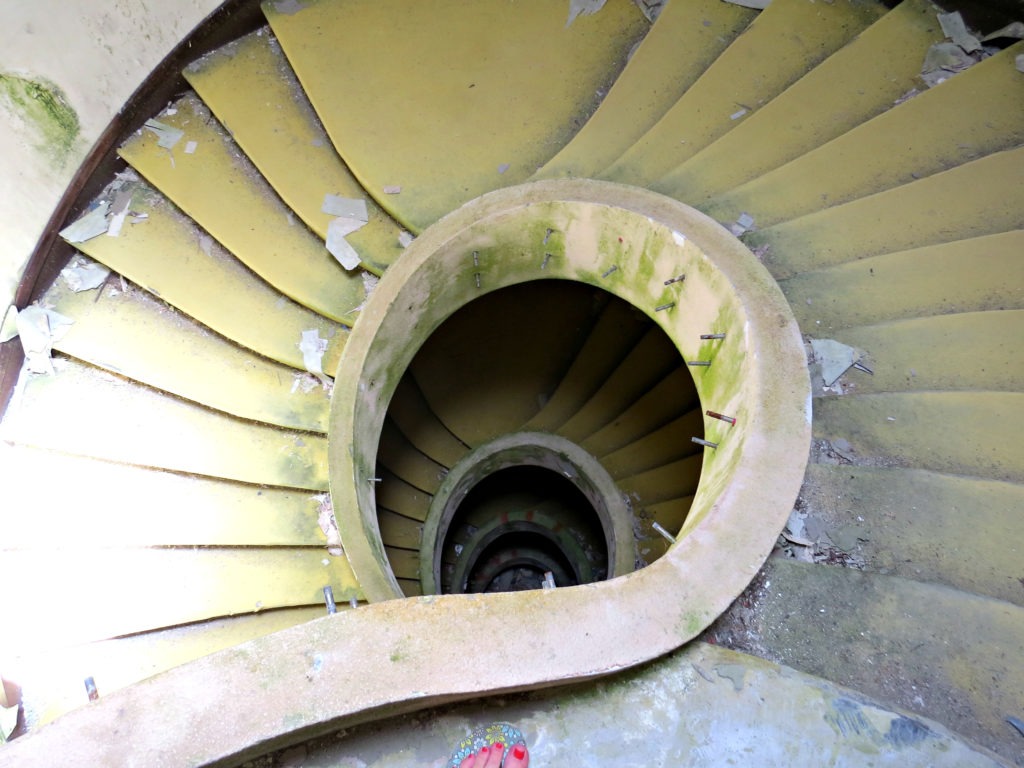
(338, 246)
(190, 147)
(92, 224)
(313, 348)
(167, 135)
(678, 238)
(39, 329)
(84, 276)
(345, 207)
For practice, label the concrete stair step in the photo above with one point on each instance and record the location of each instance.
(977, 198)
(220, 189)
(213, 287)
(251, 89)
(978, 274)
(860, 80)
(727, 92)
(976, 113)
(461, 110)
(938, 652)
(684, 40)
(131, 333)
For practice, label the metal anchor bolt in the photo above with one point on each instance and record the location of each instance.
(610, 269)
(705, 336)
(699, 362)
(676, 279)
(714, 415)
(665, 306)
(547, 258)
(702, 441)
(329, 599)
(656, 526)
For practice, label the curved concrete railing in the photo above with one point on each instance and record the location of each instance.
(396, 655)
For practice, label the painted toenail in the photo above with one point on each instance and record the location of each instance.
(519, 752)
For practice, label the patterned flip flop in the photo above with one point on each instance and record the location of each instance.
(487, 736)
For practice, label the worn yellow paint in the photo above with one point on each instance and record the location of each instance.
(978, 198)
(612, 336)
(854, 84)
(401, 458)
(136, 335)
(981, 273)
(665, 401)
(399, 531)
(782, 44)
(89, 412)
(221, 190)
(669, 481)
(971, 115)
(413, 416)
(966, 351)
(684, 40)
(962, 433)
(396, 494)
(145, 507)
(660, 446)
(253, 92)
(146, 589)
(647, 363)
(55, 679)
(167, 255)
(418, 94)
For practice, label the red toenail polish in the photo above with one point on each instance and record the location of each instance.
(483, 750)
(498, 746)
(519, 752)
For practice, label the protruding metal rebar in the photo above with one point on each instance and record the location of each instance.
(610, 269)
(657, 526)
(477, 276)
(329, 599)
(549, 580)
(705, 336)
(547, 235)
(476, 258)
(676, 279)
(354, 602)
(90, 689)
(702, 441)
(698, 362)
(721, 416)
(665, 306)
(547, 258)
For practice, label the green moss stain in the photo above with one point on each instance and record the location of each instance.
(45, 108)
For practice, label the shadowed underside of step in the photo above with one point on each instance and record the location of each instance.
(186, 430)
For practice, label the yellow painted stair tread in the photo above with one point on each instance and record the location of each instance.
(399, 531)
(410, 587)
(978, 198)
(394, 494)
(145, 507)
(975, 433)
(404, 562)
(970, 350)
(646, 364)
(662, 446)
(618, 328)
(681, 44)
(170, 257)
(53, 682)
(89, 412)
(220, 189)
(971, 115)
(136, 335)
(488, 368)
(784, 42)
(983, 273)
(454, 99)
(857, 82)
(671, 481)
(145, 589)
(253, 92)
(411, 413)
(670, 398)
(961, 532)
(401, 458)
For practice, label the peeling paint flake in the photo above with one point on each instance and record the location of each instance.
(955, 29)
(346, 207)
(83, 275)
(288, 7)
(39, 329)
(167, 135)
(92, 224)
(338, 246)
(312, 348)
(582, 8)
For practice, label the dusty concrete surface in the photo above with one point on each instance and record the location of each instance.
(702, 706)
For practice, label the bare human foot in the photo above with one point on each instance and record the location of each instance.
(490, 757)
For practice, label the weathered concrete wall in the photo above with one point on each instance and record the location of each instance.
(66, 68)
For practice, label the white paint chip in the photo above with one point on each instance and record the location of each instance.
(190, 147)
(338, 246)
(84, 276)
(167, 135)
(312, 348)
(347, 207)
(39, 329)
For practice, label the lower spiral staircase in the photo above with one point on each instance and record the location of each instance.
(528, 356)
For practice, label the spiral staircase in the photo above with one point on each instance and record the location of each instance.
(236, 428)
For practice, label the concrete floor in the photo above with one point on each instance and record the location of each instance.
(702, 706)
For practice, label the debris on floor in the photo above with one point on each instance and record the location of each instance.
(955, 29)
(167, 135)
(757, 5)
(92, 224)
(288, 7)
(742, 225)
(39, 329)
(583, 8)
(84, 275)
(328, 524)
(962, 49)
(830, 359)
(351, 215)
(312, 348)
